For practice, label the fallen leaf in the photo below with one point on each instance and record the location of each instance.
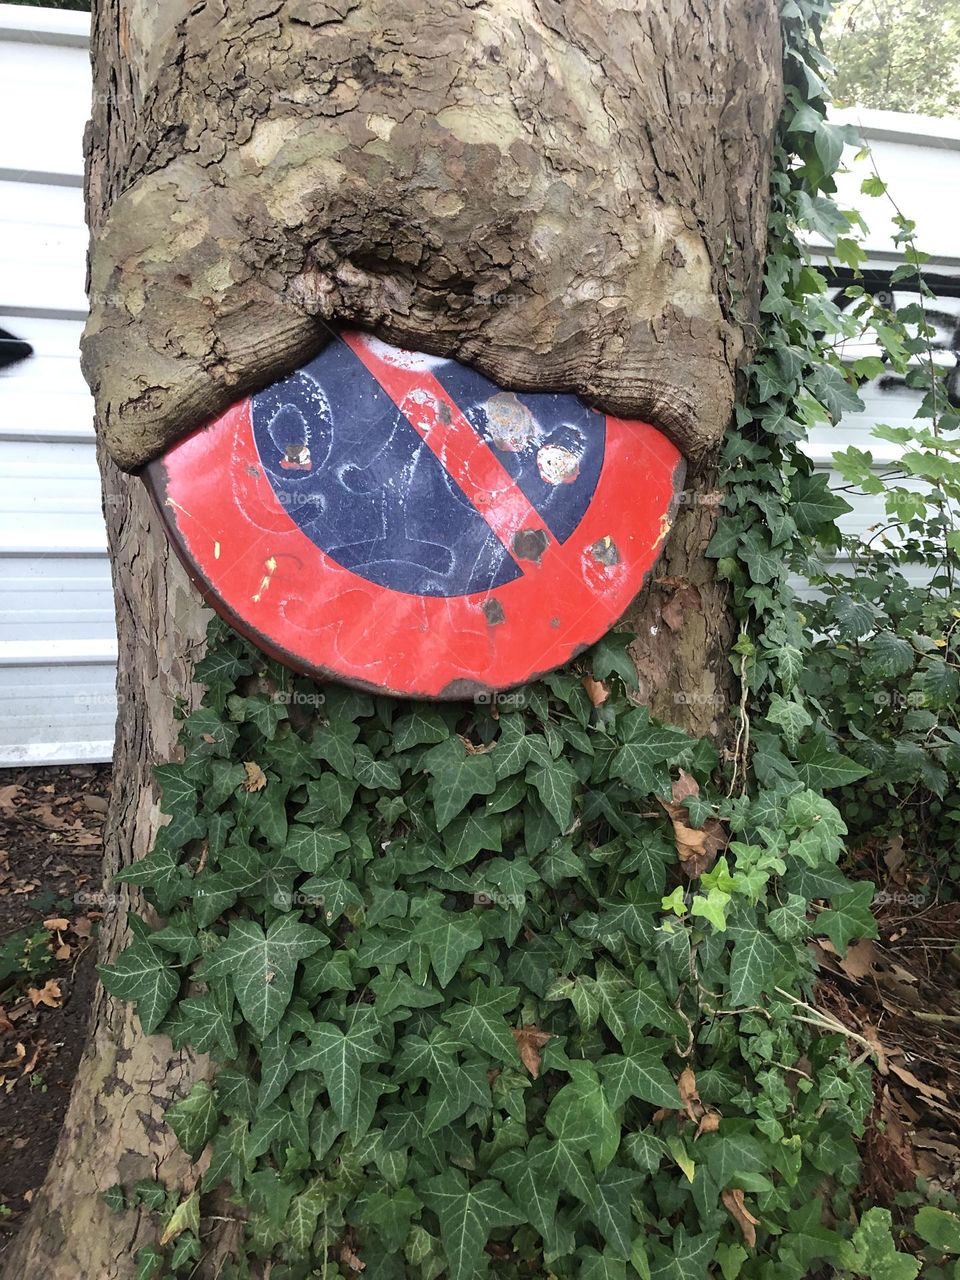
(530, 1040)
(7, 794)
(63, 952)
(697, 847)
(49, 994)
(256, 779)
(908, 1078)
(709, 1123)
(83, 927)
(732, 1198)
(597, 691)
(687, 1088)
(859, 960)
(348, 1256)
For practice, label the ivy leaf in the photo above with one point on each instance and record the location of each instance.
(482, 1021)
(140, 973)
(262, 966)
(640, 1075)
(792, 717)
(819, 767)
(752, 966)
(456, 777)
(424, 725)
(850, 917)
(512, 752)
(194, 1118)
(554, 782)
(449, 937)
(338, 1056)
(186, 1217)
(314, 848)
(467, 1216)
(378, 775)
(305, 1211)
(581, 1116)
(814, 507)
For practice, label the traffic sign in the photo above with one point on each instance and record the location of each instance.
(396, 521)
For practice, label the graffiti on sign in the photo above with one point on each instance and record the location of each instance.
(399, 522)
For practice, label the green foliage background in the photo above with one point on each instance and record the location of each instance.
(898, 55)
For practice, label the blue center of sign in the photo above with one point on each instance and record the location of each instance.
(361, 483)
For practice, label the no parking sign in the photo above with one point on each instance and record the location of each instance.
(397, 521)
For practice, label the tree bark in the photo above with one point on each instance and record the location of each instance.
(625, 219)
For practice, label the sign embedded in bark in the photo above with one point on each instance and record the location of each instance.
(397, 521)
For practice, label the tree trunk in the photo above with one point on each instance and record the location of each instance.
(625, 218)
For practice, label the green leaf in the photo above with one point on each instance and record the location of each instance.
(850, 917)
(639, 1075)
(313, 848)
(456, 777)
(467, 1217)
(185, 1217)
(582, 1117)
(554, 783)
(938, 1228)
(752, 966)
(261, 966)
(449, 937)
(194, 1118)
(872, 1252)
(338, 1056)
(305, 1211)
(819, 767)
(140, 973)
(481, 1021)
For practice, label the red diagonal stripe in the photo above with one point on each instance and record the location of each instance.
(464, 455)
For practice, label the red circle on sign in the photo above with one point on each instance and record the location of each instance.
(274, 584)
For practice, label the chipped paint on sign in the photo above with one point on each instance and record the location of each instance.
(396, 521)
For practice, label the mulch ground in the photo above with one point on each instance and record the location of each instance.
(51, 847)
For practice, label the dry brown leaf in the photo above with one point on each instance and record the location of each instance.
(530, 1040)
(687, 1088)
(49, 994)
(7, 794)
(732, 1198)
(597, 691)
(697, 848)
(256, 779)
(348, 1256)
(83, 926)
(859, 960)
(709, 1123)
(908, 1078)
(63, 952)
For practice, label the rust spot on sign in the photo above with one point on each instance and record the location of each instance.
(530, 544)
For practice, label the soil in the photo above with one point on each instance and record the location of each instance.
(50, 856)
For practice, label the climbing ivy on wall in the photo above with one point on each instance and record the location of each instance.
(523, 987)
